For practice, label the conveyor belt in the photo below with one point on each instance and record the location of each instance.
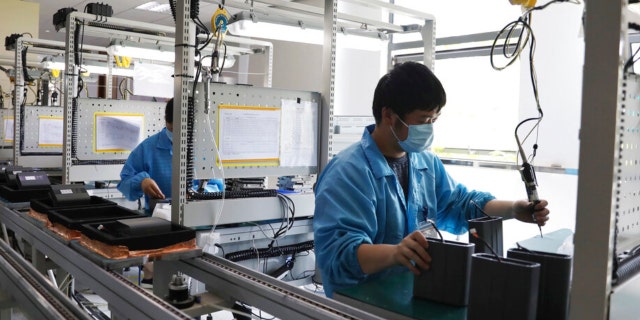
(236, 282)
(44, 301)
(126, 299)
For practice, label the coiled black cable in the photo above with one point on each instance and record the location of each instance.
(74, 127)
(190, 126)
(269, 251)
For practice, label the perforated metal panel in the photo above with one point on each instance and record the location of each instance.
(628, 184)
(205, 128)
(31, 143)
(153, 122)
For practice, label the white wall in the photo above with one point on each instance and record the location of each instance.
(29, 14)
(559, 57)
(560, 190)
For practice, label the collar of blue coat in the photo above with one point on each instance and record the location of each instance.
(377, 161)
(163, 140)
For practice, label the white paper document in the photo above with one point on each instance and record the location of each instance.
(117, 133)
(249, 133)
(299, 134)
(50, 131)
(8, 130)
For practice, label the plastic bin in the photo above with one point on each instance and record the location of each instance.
(46, 204)
(74, 218)
(115, 233)
(12, 194)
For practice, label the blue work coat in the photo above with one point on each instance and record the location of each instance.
(150, 159)
(359, 200)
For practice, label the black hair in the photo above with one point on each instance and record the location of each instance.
(168, 111)
(407, 87)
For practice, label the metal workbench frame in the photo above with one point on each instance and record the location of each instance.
(39, 46)
(602, 177)
(237, 283)
(124, 297)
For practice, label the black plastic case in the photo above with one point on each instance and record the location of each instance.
(115, 233)
(74, 218)
(447, 280)
(503, 290)
(45, 205)
(490, 230)
(12, 194)
(555, 280)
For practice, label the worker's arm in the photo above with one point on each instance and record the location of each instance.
(520, 210)
(377, 257)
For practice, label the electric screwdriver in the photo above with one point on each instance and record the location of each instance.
(529, 178)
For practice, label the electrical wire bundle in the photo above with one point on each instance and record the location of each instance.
(521, 28)
(269, 251)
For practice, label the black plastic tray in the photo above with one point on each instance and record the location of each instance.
(46, 204)
(110, 235)
(14, 195)
(73, 218)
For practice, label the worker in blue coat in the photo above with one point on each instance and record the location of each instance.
(147, 172)
(371, 197)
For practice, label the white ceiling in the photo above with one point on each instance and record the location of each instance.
(123, 9)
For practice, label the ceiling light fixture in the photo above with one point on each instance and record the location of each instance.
(286, 29)
(140, 50)
(154, 6)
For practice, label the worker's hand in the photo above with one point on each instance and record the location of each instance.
(413, 248)
(528, 212)
(150, 188)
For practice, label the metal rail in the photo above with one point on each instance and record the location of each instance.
(125, 299)
(236, 282)
(32, 292)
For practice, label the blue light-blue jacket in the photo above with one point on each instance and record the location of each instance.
(150, 159)
(359, 200)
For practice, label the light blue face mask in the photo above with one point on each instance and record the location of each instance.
(169, 135)
(419, 138)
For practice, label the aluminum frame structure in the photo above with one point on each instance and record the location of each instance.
(104, 28)
(30, 291)
(235, 282)
(44, 47)
(332, 22)
(603, 179)
(126, 299)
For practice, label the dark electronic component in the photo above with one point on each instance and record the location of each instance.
(68, 194)
(99, 9)
(179, 293)
(10, 175)
(142, 226)
(32, 180)
(10, 41)
(60, 17)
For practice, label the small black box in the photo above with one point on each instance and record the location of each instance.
(447, 280)
(100, 9)
(32, 180)
(10, 41)
(503, 289)
(60, 17)
(68, 194)
(146, 225)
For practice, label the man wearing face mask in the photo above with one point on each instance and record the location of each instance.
(371, 196)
